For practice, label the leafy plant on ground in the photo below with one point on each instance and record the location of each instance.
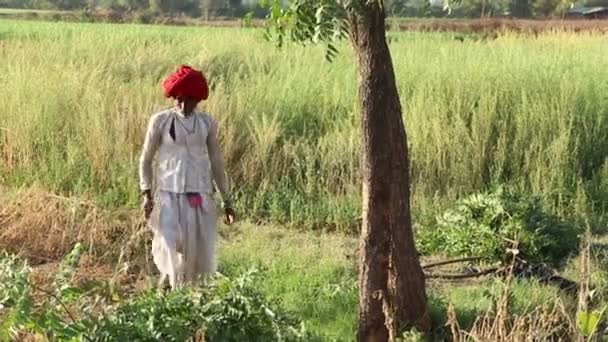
(63, 278)
(151, 316)
(486, 224)
(235, 310)
(51, 318)
(15, 295)
(224, 310)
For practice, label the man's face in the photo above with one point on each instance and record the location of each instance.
(186, 104)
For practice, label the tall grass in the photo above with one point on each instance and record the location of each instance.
(531, 112)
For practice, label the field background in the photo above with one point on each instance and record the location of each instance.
(525, 111)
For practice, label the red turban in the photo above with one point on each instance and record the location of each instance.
(186, 82)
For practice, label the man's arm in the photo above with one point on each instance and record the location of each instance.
(151, 143)
(217, 163)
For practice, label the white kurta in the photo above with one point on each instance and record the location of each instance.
(183, 246)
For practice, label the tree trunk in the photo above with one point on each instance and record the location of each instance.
(391, 282)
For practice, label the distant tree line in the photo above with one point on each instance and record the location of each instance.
(193, 8)
(239, 8)
(486, 8)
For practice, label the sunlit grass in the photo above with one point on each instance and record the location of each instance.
(526, 111)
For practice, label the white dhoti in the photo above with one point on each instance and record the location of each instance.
(183, 247)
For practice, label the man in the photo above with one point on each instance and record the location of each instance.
(189, 158)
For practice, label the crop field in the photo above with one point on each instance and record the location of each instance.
(508, 137)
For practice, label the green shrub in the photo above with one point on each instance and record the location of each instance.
(15, 298)
(484, 224)
(224, 310)
(152, 316)
(237, 311)
(50, 317)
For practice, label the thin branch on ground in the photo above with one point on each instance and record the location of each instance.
(454, 261)
(461, 276)
(48, 293)
(65, 308)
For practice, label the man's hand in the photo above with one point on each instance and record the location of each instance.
(148, 206)
(229, 216)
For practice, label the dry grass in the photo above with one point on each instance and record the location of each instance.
(553, 321)
(549, 322)
(43, 227)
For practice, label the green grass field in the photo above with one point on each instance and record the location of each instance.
(527, 112)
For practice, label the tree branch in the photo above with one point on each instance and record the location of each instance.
(454, 261)
(461, 276)
(65, 308)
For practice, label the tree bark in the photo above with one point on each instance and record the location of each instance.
(391, 282)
